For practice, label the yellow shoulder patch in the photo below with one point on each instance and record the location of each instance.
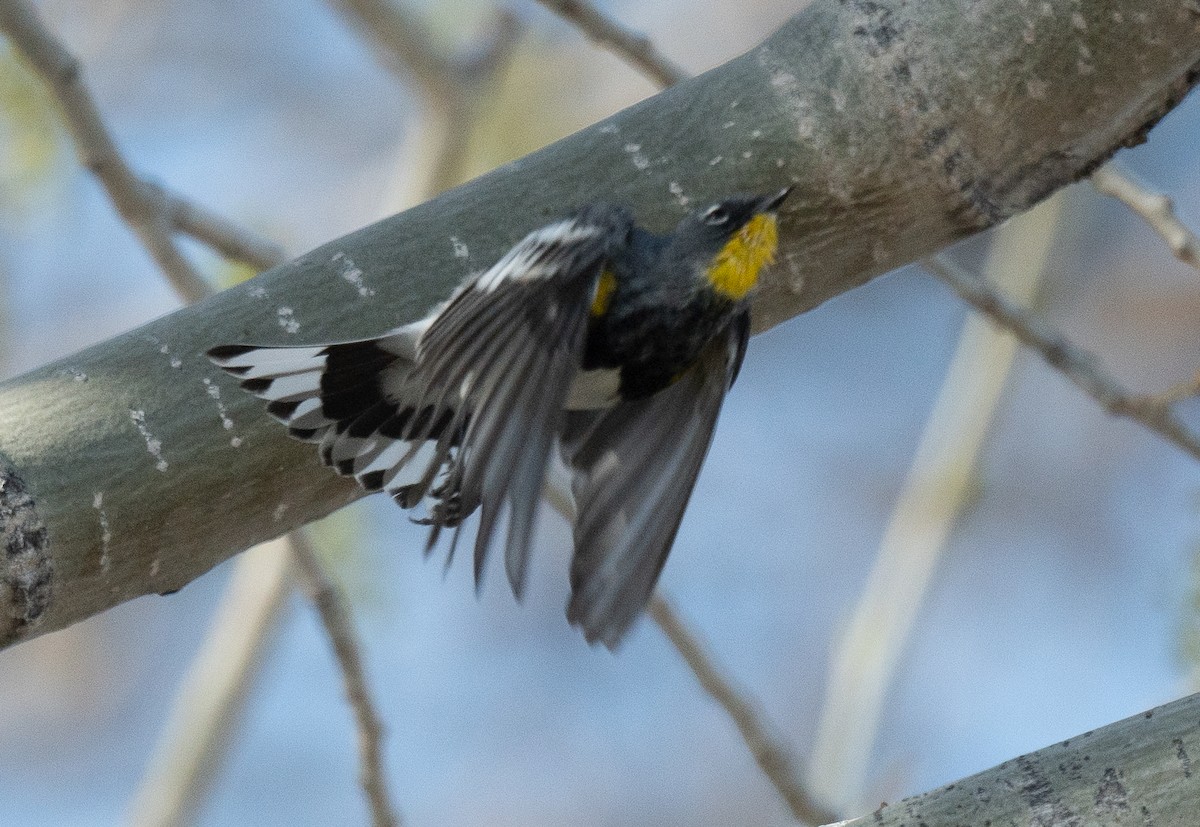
(734, 271)
(605, 287)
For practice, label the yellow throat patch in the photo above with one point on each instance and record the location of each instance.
(734, 271)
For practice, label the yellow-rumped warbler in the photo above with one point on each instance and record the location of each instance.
(615, 342)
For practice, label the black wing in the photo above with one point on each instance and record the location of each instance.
(634, 469)
(461, 409)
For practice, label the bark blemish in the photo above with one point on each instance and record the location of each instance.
(26, 569)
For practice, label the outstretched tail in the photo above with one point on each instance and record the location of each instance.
(356, 401)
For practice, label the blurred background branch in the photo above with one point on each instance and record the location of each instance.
(1156, 209)
(1081, 367)
(939, 485)
(441, 172)
(212, 695)
(636, 49)
(150, 210)
(450, 92)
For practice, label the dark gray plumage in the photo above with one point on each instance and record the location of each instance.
(615, 343)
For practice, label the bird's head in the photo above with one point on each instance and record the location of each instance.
(735, 238)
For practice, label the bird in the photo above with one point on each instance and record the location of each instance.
(592, 336)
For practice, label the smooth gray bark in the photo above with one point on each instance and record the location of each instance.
(1139, 771)
(134, 466)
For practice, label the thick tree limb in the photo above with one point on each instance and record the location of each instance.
(1138, 771)
(893, 120)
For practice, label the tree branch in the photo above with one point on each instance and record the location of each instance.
(207, 707)
(1136, 771)
(1156, 209)
(1075, 363)
(937, 486)
(635, 49)
(877, 124)
(336, 621)
(772, 756)
(151, 211)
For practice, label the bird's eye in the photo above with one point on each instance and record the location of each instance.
(716, 215)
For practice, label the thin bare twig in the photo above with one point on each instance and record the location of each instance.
(1077, 364)
(1156, 209)
(340, 628)
(773, 757)
(636, 49)
(151, 211)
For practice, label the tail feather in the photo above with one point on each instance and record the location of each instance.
(356, 401)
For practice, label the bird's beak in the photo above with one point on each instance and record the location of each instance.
(770, 203)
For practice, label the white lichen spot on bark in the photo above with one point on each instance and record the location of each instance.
(460, 248)
(105, 530)
(351, 274)
(677, 191)
(716, 160)
(153, 444)
(155, 565)
(214, 393)
(279, 511)
(1036, 88)
(174, 361)
(1078, 22)
(286, 319)
(609, 129)
(794, 279)
(788, 93)
(634, 151)
(728, 124)
(258, 292)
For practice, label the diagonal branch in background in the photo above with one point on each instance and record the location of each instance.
(207, 706)
(176, 781)
(874, 188)
(1156, 209)
(151, 211)
(337, 622)
(632, 47)
(1077, 364)
(450, 90)
(775, 760)
(196, 740)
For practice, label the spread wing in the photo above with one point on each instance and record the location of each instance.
(634, 469)
(462, 409)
